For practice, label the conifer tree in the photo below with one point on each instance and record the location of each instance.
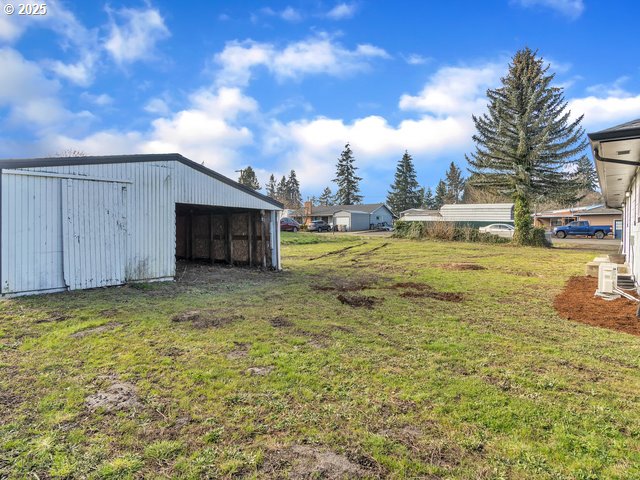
(526, 141)
(248, 178)
(440, 196)
(428, 201)
(405, 191)
(348, 189)
(281, 191)
(455, 184)
(272, 187)
(294, 198)
(586, 176)
(326, 198)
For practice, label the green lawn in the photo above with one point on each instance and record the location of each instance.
(271, 375)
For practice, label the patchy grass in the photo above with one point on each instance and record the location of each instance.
(265, 375)
(308, 238)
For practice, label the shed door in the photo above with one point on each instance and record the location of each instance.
(93, 233)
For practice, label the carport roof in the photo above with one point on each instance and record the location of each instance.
(151, 157)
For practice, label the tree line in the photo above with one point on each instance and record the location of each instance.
(529, 150)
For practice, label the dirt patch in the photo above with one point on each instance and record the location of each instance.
(577, 302)
(423, 290)
(54, 318)
(205, 318)
(337, 252)
(108, 313)
(281, 322)
(260, 371)
(442, 296)
(374, 249)
(240, 350)
(95, 330)
(341, 284)
(461, 266)
(358, 300)
(171, 351)
(306, 462)
(119, 396)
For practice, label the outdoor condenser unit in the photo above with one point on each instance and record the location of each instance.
(607, 278)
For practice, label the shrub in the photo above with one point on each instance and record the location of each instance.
(448, 231)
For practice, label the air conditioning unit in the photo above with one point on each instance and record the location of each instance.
(607, 278)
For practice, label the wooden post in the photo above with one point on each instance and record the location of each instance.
(263, 235)
(228, 222)
(250, 238)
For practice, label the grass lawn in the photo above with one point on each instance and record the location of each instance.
(448, 373)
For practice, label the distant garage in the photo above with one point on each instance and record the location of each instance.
(351, 220)
(86, 222)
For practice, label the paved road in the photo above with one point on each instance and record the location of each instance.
(605, 245)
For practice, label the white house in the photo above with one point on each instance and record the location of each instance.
(86, 222)
(616, 152)
(352, 217)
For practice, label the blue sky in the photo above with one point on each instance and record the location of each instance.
(282, 85)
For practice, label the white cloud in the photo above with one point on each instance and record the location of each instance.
(603, 112)
(342, 11)
(455, 90)
(317, 55)
(614, 89)
(157, 106)
(29, 95)
(290, 14)
(415, 59)
(101, 100)
(570, 8)
(136, 36)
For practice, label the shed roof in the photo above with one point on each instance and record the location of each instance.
(151, 157)
(420, 211)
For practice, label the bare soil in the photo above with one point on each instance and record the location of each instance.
(54, 317)
(305, 462)
(358, 300)
(337, 252)
(345, 284)
(240, 350)
(206, 318)
(462, 266)
(423, 290)
(96, 330)
(578, 302)
(260, 371)
(119, 396)
(281, 322)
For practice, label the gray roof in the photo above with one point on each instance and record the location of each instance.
(151, 157)
(420, 211)
(326, 210)
(600, 211)
(628, 129)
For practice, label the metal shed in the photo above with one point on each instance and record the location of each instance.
(85, 222)
(478, 214)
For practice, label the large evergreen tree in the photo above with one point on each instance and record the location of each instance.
(526, 141)
(586, 176)
(248, 178)
(405, 191)
(455, 184)
(326, 198)
(428, 200)
(272, 187)
(281, 191)
(440, 196)
(348, 189)
(294, 198)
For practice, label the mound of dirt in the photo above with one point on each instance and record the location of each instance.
(462, 266)
(281, 322)
(577, 302)
(206, 318)
(410, 285)
(241, 350)
(358, 300)
(119, 396)
(306, 462)
(95, 330)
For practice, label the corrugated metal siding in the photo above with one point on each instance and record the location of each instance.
(485, 212)
(414, 217)
(32, 227)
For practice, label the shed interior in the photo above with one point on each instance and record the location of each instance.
(223, 235)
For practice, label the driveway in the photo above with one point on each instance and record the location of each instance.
(606, 245)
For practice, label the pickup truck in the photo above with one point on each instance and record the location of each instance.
(582, 228)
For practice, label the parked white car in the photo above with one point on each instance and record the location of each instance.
(500, 229)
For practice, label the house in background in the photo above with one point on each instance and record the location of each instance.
(352, 217)
(471, 214)
(617, 154)
(594, 214)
